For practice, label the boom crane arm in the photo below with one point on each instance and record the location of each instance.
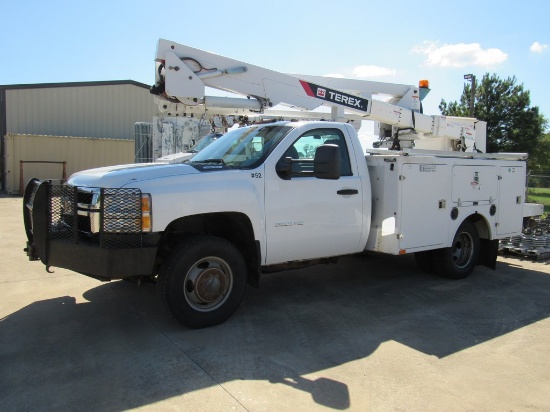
(183, 72)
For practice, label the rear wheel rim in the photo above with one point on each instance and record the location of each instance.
(463, 250)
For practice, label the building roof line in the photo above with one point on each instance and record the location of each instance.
(73, 84)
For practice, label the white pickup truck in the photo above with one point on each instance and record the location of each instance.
(271, 197)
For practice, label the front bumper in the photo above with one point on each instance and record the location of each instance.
(59, 234)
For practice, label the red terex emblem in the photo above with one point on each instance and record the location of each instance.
(321, 92)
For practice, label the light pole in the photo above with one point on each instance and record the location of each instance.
(472, 79)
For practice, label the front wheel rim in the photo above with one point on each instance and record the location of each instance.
(207, 284)
(463, 250)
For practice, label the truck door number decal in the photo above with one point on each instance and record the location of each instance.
(286, 224)
(256, 175)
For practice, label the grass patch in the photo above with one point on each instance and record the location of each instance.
(539, 195)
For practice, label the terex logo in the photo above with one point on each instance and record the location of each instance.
(347, 100)
(335, 96)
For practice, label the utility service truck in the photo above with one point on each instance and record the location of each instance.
(280, 195)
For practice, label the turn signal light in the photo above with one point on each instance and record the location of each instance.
(146, 225)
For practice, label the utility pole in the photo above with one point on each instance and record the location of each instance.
(472, 79)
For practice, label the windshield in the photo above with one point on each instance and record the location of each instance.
(205, 141)
(246, 147)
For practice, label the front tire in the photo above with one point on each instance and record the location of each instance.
(203, 281)
(459, 260)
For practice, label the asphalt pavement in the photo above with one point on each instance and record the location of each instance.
(371, 333)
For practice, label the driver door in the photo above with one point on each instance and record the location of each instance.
(307, 217)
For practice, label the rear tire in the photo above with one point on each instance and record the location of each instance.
(203, 281)
(459, 260)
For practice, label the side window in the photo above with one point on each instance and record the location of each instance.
(307, 144)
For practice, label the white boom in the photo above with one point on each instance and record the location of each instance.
(183, 73)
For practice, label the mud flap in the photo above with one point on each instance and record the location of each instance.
(488, 253)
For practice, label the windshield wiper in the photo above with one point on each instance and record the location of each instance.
(220, 161)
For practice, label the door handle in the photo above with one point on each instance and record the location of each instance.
(347, 192)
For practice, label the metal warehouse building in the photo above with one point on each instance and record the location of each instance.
(49, 128)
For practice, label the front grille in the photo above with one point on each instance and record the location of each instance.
(84, 224)
(121, 218)
(85, 197)
(61, 213)
(111, 217)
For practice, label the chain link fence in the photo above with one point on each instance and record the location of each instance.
(538, 189)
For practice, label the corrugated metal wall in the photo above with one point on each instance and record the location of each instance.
(102, 111)
(79, 153)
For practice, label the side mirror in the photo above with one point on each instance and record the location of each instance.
(326, 164)
(284, 165)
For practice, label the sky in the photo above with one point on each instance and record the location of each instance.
(399, 41)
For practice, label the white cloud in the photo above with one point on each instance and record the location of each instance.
(459, 55)
(372, 71)
(537, 47)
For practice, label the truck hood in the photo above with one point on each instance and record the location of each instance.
(128, 175)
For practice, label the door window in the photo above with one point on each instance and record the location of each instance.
(306, 145)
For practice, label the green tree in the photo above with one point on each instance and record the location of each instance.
(539, 160)
(512, 124)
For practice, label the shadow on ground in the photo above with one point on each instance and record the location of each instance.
(120, 350)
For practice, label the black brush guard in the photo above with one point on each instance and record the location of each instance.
(58, 223)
